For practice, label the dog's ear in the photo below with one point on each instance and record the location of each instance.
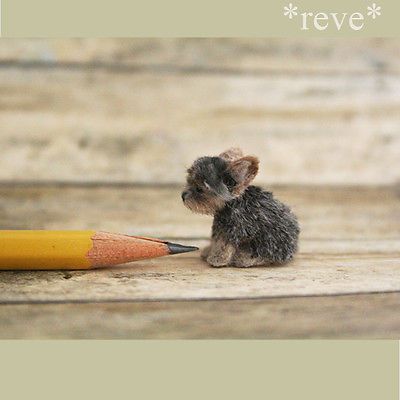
(234, 153)
(243, 171)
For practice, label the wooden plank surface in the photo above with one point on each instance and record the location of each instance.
(148, 127)
(349, 244)
(325, 213)
(238, 54)
(361, 316)
(189, 278)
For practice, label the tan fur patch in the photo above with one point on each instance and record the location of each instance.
(231, 154)
(244, 170)
(244, 260)
(208, 207)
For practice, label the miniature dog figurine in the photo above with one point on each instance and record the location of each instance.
(250, 226)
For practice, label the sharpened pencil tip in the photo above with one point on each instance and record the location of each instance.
(175, 248)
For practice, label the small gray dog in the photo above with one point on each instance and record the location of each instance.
(250, 226)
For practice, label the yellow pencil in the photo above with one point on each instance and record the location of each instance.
(45, 250)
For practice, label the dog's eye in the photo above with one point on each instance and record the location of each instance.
(229, 181)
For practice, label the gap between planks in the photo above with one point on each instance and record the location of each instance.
(220, 53)
(174, 69)
(193, 300)
(46, 183)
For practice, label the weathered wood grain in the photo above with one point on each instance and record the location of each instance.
(239, 54)
(98, 125)
(139, 111)
(324, 213)
(188, 278)
(360, 316)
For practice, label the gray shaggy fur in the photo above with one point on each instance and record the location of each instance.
(250, 226)
(258, 225)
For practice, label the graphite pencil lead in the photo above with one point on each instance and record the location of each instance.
(175, 248)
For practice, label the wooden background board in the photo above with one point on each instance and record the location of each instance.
(318, 112)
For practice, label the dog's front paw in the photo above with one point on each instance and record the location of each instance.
(216, 261)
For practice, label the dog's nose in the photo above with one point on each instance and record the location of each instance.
(184, 194)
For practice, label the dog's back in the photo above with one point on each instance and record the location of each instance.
(259, 225)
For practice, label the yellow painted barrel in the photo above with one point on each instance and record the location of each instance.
(45, 249)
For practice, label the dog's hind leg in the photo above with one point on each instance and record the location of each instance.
(244, 260)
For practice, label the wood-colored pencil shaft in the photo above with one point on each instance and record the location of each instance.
(44, 250)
